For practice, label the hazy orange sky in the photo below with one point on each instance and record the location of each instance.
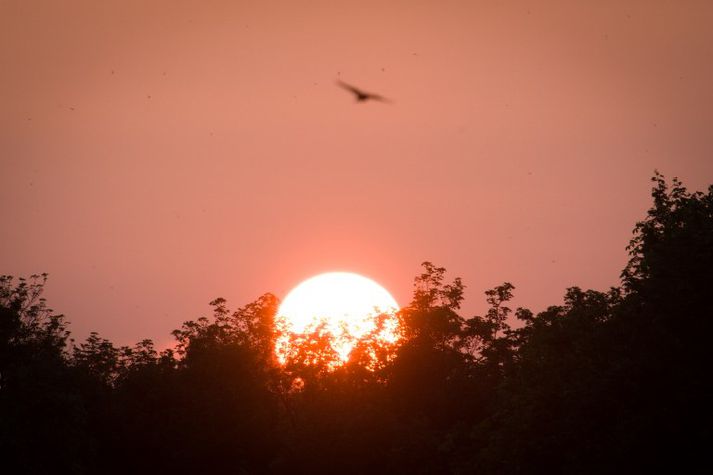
(157, 154)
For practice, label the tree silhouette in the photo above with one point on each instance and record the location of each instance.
(42, 427)
(613, 381)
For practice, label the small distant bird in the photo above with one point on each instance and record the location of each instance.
(361, 96)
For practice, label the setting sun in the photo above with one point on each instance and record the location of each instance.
(340, 306)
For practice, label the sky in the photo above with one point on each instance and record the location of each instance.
(157, 154)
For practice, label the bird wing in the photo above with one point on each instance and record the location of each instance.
(351, 88)
(362, 94)
(377, 97)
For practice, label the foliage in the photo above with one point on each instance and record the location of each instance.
(613, 381)
(42, 421)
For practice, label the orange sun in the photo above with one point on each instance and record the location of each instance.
(341, 307)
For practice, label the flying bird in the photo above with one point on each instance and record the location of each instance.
(361, 96)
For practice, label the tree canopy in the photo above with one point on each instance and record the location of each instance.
(607, 381)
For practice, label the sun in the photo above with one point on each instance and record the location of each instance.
(343, 308)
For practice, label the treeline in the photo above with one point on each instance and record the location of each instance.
(608, 382)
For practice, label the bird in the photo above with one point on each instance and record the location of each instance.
(361, 96)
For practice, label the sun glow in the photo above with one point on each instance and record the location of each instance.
(343, 309)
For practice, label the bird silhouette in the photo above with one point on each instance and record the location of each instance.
(361, 96)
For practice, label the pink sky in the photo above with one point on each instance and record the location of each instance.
(157, 154)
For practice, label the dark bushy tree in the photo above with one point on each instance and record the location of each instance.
(616, 381)
(42, 418)
(613, 381)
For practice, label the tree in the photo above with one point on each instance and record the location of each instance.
(617, 378)
(432, 315)
(668, 277)
(99, 358)
(490, 339)
(42, 426)
(211, 409)
(604, 381)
